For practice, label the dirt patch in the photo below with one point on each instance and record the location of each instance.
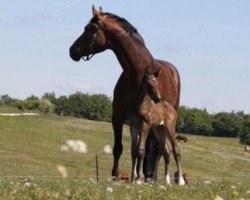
(18, 114)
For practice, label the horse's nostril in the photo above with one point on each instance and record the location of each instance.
(74, 54)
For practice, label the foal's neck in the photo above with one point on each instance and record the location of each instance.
(143, 99)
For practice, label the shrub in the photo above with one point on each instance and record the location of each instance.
(45, 106)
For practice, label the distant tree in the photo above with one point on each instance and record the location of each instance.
(51, 96)
(31, 103)
(45, 106)
(6, 99)
(227, 124)
(194, 121)
(182, 116)
(20, 105)
(78, 104)
(62, 106)
(245, 134)
(100, 108)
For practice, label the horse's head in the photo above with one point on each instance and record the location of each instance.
(151, 83)
(92, 40)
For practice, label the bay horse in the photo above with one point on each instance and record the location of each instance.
(108, 31)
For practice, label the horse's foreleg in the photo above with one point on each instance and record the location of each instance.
(117, 149)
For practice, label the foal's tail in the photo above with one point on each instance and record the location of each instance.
(179, 138)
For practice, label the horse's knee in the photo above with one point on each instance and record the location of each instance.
(117, 150)
(141, 153)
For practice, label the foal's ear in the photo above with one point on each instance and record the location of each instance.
(156, 74)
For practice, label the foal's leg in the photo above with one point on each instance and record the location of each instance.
(134, 132)
(160, 134)
(176, 151)
(141, 148)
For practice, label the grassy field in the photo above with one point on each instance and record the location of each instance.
(30, 154)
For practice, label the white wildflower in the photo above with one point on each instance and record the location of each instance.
(64, 148)
(109, 189)
(70, 143)
(248, 192)
(62, 170)
(77, 146)
(107, 149)
(162, 187)
(207, 182)
(92, 180)
(67, 192)
(27, 184)
(233, 187)
(218, 198)
(80, 146)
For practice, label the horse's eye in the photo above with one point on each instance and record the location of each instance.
(86, 28)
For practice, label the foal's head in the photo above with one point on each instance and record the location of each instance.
(151, 85)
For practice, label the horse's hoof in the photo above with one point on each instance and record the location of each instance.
(116, 179)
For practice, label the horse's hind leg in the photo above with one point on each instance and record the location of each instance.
(152, 158)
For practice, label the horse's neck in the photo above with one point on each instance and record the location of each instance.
(132, 54)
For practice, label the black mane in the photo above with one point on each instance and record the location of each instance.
(126, 25)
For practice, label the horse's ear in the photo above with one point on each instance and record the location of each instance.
(100, 10)
(95, 12)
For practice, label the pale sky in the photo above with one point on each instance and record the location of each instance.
(208, 42)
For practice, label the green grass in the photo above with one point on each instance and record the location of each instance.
(30, 152)
(9, 109)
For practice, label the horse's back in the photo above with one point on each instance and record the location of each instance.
(169, 83)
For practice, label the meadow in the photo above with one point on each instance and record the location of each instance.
(217, 168)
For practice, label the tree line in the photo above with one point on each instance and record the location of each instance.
(99, 107)
(90, 106)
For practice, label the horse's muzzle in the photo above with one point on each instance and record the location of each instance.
(74, 55)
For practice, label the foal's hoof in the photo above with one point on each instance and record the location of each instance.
(136, 181)
(179, 180)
